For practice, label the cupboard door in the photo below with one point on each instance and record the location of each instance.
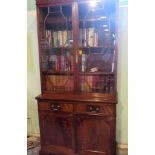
(57, 134)
(96, 135)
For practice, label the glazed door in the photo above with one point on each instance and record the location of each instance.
(96, 135)
(57, 134)
(55, 33)
(96, 44)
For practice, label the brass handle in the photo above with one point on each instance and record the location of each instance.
(98, 109)
(91, 108)
(55, 107)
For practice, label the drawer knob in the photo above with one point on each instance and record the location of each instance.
(97, 109)
(90, 108)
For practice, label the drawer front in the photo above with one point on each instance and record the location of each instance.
(94, 108)
(55, 106)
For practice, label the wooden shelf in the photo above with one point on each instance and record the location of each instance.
(59, 48)
(58, 73)
(82, 48)
(81, 73)
(96, 73)
(86, 50)
(98, 48)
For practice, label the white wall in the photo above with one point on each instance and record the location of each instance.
(33, 78)
(122, 85)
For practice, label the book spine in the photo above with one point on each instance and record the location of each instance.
(80, 37)
(91, 37)
(87, 37)
(60, 38)
(62, 62)
(54, 39)
(64, 38)
(72, 69)
(57, 39)
(83, 62)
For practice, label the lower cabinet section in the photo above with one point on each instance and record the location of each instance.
(69, 131)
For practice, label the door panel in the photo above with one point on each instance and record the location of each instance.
(96, 135)
(57, 133)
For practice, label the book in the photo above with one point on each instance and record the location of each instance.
(91, 37)
(60, 35)
(64, 38)
(80, 40)
(54, 39)
(83, 62)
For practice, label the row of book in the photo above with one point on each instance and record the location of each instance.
(96, 63)
(91, 37)
(96, 84)
(63, 63)
(88, 37)
(57, 63)
(57, 39)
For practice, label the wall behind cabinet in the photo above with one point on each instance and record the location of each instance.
(122, 82)
(33, 79)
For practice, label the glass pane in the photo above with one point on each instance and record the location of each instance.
(56, 48)
(96, 42)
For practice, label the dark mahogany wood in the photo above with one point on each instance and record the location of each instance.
(57, 133)
(95, 135)
(74, 123)
(58, 2)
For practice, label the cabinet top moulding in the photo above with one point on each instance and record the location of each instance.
(59, 2)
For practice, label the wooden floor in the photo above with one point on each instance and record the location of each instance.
(33, 145)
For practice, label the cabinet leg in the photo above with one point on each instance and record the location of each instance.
(115, 149)
(42, 153)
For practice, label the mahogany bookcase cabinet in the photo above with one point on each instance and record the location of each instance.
(78, 66)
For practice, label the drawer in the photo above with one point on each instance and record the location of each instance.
(93, 108)
(55, 106)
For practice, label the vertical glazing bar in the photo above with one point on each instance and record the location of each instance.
(75, 26)
(116, 45)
